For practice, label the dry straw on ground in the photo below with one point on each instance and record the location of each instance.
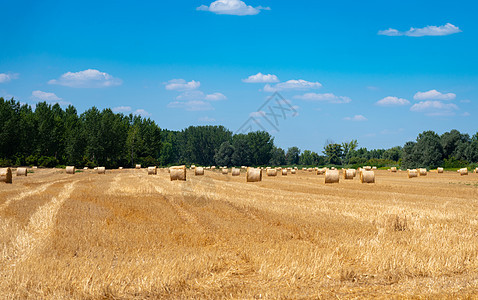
(6, 175)
(22, 171)
(332, 176)
(177, 173)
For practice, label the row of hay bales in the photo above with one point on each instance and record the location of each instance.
(6, 174)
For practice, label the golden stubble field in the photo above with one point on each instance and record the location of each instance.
(129, 235)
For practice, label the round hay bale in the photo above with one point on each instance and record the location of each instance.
(463, 171)
(253, 175)
(412, 173)
(22, 171)
(243, 167)
(152, 170)
(177, 173)
(271, 172)
(193, 167)
(6, 175)
(236, 172)
(199, 171)
(120, 168)
(422, 172)
(304, 169)
(367, 168)
(476, 170)
(349, 174)
(213, 167)
(310, 169)
(393, 169)
(332, 176)
(101, 170)
(95, 168)
(439, 170)
(354, 172)
(284, 172)
(321, 171)
(367, 177)
(85, 168)
(225, 171)
(70, 170)
(208, 168)
(34, 167)
(138, 166)
(374, 168)
(293, 171)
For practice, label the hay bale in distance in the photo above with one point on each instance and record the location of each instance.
(225, 171)
(152, 170)
(349, 173)
(439, 170)
(367, 177)
(101, 170)
(271, 172)
(332, 176)
(321, 171)
(463, 171)
(253, 175)
(177, 173)
(236, 172)
(138, 166)
(193, 167)
(6, 175)
(198, 171)
(70, 170)
(284, 172)
(120, 168)
(412, 173)
(85, 168)
(476, 170)
(22, 172)
(293, 171)
(422, 172)
(393, 169)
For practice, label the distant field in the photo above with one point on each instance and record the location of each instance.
(129, 235)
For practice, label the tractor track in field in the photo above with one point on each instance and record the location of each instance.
(39, 228)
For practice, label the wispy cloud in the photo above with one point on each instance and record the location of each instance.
(6, 77)
(292, 85)
(122, 109)
(327, 97)
(206, 119)
(199, 95)
(446, 29)
(182, 85)
(232, 7)
(392, 101)
(433, 95)
(44, 96)
(434, 108)
(192, 105)
(261, 78)
(215, 97)
(356, 118)
(142, 112)
(87, 79)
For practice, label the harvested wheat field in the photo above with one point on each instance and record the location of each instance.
(129, 235)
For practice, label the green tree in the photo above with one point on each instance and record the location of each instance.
(428, 150)
(224, 154)
(242, 151)
(334, 153)
(292, 156)
(277, 157)
(260, 144)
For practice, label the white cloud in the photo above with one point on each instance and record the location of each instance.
(292, 85)
(143, 113)
(466, 114)
(261, 78)
(434, 108)
(372, 88)
(198, 95)
(327, 97)
(44, 96)
(4, 77)
(232, 7)
(122, 109)
(87, 79)
(215, 97)
(356, 118)
(446, 29)
(182, 85)
(192, 105)
(257, 114)
(206, 119)
(392, 101)
(433, 95)
(465, 101)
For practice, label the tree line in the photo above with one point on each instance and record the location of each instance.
(50, 136)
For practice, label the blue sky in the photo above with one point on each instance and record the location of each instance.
(379, 72)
